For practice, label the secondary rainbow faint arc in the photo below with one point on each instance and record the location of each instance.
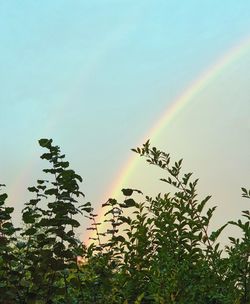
(175, 107)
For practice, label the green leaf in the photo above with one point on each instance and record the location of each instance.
(21, 245)
(52, 191)
(30, 231)
(244, 190)
(125, 219)
(41, 181)
(203, 203)
(73, 223)
(9, 210)
(78, 177)
(7, 225)
(33, 189)
(3, 197)
(64, 164)
(87, 209)
(215, 234)
(45, 143)
(129, 203)
(119, 239)
(58, 248)
(47, 156)
(127, 192)
(28, 218)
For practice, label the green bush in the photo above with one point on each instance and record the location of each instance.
(155, 250)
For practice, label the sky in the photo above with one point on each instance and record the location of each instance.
(99, 76)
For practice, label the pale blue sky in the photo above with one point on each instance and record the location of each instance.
(96, 76)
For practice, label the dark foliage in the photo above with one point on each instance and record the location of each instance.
(155, 250)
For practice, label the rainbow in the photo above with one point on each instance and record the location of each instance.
(176, 106)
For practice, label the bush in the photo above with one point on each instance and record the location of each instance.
(155, 250)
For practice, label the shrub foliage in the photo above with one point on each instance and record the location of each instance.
(155, 250)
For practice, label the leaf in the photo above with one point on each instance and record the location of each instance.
(7, 225)
(119, 239)
(3, 197)
(78, 177)
(73, 222)
(134, 150)
(64, 164)
(52, 171)
(129, 203)
(28, 217)
(139, 298)
(87, 209)
(210, 212)
(203, 203)
(47, 156)
(244, 190)
(52, 191)
(125, 219)
(9, 210)
(30, 231)
(41, 181)
(34, 201)
(127, 192)
(21, 245)
(33, 189)
(45, 143)
(41, 187)
(215, 234)
(58, 248)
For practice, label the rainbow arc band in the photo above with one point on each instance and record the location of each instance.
(175, 107)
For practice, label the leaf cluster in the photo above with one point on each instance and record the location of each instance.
(153, 250)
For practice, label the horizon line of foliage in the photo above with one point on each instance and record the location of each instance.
(155, 250)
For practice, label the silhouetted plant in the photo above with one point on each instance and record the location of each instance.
(155, 250)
